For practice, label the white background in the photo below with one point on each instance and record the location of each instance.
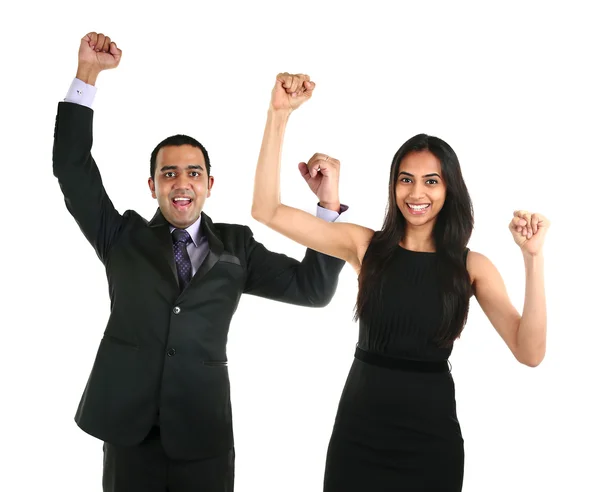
(513, 89)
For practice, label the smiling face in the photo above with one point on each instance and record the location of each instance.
(180, 184)
(420, 189)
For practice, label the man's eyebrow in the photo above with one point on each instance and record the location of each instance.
(191, 166)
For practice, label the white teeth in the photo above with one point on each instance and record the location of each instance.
(179, 199)
(418, 207)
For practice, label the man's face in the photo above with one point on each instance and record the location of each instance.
(180, 184)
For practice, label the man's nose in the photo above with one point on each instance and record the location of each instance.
(182, 182)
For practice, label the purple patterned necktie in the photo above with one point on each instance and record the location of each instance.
(181, 239)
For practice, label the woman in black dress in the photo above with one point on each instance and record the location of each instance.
(396, 426)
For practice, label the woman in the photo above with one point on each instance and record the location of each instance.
(396, 426)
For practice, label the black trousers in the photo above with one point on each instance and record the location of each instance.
(147, 468)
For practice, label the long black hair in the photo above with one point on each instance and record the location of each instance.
(451, 232)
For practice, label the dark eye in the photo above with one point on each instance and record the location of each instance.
(169, 174)
(405, 180)
(194, 174)
(431, 181)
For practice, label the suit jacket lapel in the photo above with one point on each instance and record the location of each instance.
(160, 230)
(215, 249)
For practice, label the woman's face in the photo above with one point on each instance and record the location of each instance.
(420, 189)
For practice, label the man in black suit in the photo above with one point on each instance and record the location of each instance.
(158, 394)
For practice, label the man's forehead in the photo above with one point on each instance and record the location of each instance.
(180, 152)
(181, 160)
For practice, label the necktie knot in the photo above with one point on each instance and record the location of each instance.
(181, 236)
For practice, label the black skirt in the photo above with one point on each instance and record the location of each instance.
(396, 430)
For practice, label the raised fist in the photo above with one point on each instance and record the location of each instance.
(291, 91)
(97, 52)
(529, 230)
(322, 174)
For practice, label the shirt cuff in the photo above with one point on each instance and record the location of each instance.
(81, 93)
(330, 215)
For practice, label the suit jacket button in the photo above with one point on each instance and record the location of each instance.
(176, 309)
(171, 352)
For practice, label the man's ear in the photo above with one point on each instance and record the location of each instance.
(152, 188)
(211, 182)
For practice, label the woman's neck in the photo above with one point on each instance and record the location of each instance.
(419, 238)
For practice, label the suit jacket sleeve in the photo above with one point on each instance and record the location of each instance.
(79, 178)
(311, 282)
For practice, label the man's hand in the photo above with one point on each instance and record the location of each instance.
(322, 173)
(96, 53)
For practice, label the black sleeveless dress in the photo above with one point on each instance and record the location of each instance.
(396, 428)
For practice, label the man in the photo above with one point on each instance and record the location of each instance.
(158, 393)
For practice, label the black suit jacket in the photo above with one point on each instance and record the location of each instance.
(162, 349)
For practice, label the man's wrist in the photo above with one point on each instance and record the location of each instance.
(87, 75)
(335, 206)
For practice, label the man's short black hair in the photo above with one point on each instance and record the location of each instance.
(177, 140)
